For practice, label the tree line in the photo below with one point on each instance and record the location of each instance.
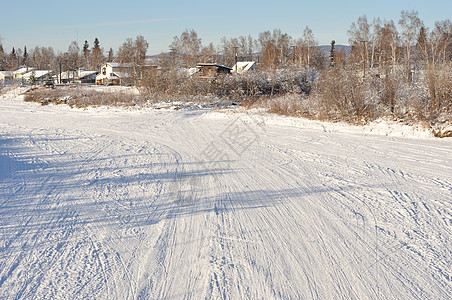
(377, 44)
(46, 58)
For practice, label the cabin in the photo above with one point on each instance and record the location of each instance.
(212, 69)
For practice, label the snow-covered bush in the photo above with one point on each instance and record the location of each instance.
(342, 94)
(237, 87)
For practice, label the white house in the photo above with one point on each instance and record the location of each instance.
(114, 73)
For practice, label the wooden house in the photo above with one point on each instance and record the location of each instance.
(212, 69)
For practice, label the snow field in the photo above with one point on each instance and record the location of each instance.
(152, 204)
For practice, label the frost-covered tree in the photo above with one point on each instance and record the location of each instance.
(374, 41)
(275, 48)
(246, 48)
(73, 59)
(187, 47)
(411, 24)
(306, 48)
(208, 54)
(228, 48)
(359, 35)
(389, 44)
(133, 53)
(441, 41)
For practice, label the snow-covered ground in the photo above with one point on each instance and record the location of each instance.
(162, 204)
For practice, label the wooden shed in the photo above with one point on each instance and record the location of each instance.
(212, 69)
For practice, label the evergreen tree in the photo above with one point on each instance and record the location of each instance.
(86, 49)
(49, 81)
(96, 56)
(12, 59)
(2, 58)
(25, 58)
(96, 43)
(33, 77)
(110, 55)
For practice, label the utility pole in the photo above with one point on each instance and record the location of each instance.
(59, 62)
(332, 54)
(173, 52)
(236, 57)
(364, 57)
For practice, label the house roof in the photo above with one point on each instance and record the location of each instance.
(68, 74)
(76, 74)
(212, 65)
(83, 74)
(115, 64)
(6, 73)
(243, 66)
(121, 74)
(23, 70)
(38, 73)
(146, 63)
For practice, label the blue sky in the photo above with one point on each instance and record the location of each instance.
(58, 23)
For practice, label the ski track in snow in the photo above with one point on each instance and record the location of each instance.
(155, 204)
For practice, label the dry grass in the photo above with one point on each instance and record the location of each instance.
(83, 97)
(342, 95)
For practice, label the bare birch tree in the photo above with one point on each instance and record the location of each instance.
(411, 24)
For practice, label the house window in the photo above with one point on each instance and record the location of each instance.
(104, 71)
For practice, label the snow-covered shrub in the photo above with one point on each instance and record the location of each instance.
(292, 105)
(238, 87)
(438, 80)
(342, 95)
